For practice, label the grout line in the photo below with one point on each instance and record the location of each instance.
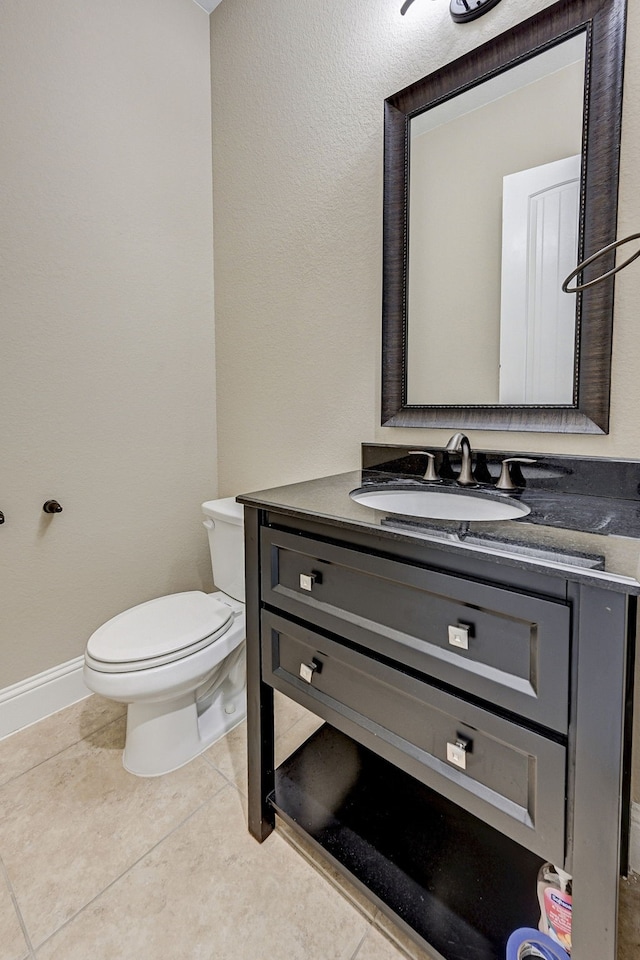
(129, 868)
(224, 776)
(357, 950)
(402, 952)
(74, 743)
(14, 900)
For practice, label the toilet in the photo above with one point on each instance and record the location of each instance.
(179, 661)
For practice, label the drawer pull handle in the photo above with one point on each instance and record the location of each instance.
(307, 671)
(307, 580)
(457, 752)
(459, 635)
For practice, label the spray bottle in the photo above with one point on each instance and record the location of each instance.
(554, 894)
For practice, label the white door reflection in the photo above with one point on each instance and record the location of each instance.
(539, 249)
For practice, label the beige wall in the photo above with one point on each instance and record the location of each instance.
(298, 93)
(106, 349)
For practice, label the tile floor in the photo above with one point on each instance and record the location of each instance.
(96, 863)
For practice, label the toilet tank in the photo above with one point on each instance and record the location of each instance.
(225, 526)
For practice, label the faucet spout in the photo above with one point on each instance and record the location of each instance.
(459, 443)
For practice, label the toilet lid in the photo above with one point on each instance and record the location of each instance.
(160, 629)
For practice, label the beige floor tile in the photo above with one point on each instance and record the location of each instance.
(31, 746)
(296, 735)
(164, 868)
(375, 946)
(229, 755)
(13, 946)
(210, 892)
(401, 939)
(287, 712)
(629, 922)
(72, 825)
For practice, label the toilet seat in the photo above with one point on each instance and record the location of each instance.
(158, 632)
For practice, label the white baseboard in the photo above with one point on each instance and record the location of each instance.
(38, 697)
(634, 838)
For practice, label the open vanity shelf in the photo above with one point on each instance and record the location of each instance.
(477, 717)
(438, 871)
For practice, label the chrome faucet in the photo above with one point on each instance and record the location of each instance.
(459, 443)
(430, 473)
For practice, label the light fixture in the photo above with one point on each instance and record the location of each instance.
(462, 10)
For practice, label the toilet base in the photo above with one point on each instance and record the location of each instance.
(161, 737)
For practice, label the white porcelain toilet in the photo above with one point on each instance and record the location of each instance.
(179, 661)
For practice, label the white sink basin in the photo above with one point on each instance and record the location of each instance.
(439, 504)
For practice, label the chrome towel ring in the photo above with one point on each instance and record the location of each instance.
(585, 263)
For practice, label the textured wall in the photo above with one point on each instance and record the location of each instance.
(298, 93)
(298, 104)
(107, 354)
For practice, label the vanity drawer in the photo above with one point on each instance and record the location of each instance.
(505, 774)
(508, 648)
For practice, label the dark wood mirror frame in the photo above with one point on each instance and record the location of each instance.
(603, 22)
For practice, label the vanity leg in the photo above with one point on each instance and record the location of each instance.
(601, 782)
(260, 722)
(260, 750)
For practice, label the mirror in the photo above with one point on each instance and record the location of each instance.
(500, 175)
(509, 209)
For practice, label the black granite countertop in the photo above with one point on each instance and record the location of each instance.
(585, 538)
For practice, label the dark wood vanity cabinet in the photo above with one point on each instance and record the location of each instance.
(476, 727)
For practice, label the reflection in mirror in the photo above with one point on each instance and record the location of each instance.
(494, 201)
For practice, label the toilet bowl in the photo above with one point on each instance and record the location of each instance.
(178, 661)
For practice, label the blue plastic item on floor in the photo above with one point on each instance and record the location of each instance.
(541, 946)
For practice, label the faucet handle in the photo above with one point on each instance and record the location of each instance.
(430, 472)
(505, 480)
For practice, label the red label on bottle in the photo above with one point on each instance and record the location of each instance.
(557, 907)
